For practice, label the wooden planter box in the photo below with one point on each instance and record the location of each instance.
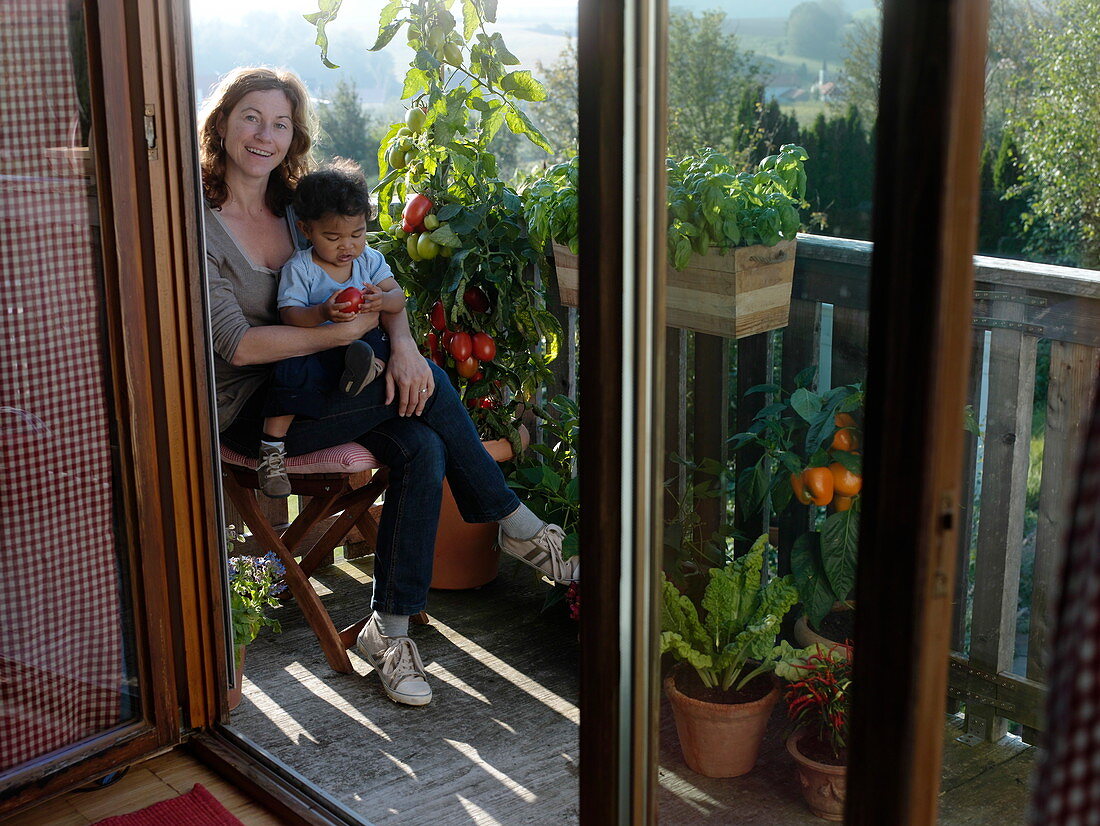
(741, 293)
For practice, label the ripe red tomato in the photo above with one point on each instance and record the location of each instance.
(433, 344)
(351, 296)
(461, 348)
(466, 367)
(439, 316)
(485, 349)
(486, 402)
(409, 227)
(476, 300)
(445, 340)
(478, 376)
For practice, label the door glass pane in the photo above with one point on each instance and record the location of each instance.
(498, 742)
(770, 117)
(1033, 372)
(67, 665)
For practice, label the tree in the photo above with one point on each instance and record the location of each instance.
(859, 71)
(347, 131)
(709, 79)
(814, 29)
(1057, 132)
(558, 113)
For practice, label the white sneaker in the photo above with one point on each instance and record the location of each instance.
(398, 665)
(271, 470)
(543, 553)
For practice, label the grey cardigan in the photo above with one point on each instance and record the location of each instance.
(241, 295)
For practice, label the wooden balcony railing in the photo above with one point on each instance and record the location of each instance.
(1017, 304)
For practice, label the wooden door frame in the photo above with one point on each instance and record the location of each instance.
(925, 231)
(159, 393)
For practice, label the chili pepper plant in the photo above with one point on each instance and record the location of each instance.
(452, 231)
(818, 691)
(810, 458)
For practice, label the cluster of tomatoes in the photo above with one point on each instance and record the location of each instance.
(417, 223)
(832, 484)
(468, 350)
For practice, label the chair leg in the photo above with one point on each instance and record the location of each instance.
(307, 599)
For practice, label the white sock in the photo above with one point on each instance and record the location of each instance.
(522, 524)
(392, 625)
(270, 443)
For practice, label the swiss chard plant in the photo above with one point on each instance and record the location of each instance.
(742, 621)
(810, 457)
(452, 231)
(710, 202)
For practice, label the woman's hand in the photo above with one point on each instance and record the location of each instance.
(409, 379)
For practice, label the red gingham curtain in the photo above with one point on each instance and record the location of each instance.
(60, 610)
(1067, 789)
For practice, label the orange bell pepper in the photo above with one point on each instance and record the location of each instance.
(819, 485)
(799, 489)
(845, 483)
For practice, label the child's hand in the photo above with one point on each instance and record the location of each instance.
(336, 311)
(372, 299)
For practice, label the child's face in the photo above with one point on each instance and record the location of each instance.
(337, 239)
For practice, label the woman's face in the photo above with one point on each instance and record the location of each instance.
(257, 133)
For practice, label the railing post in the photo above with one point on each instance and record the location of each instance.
(1069, 399)
(1001, 527)
(710, 420)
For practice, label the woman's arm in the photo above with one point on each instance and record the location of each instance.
(264, 345)
(407, 372)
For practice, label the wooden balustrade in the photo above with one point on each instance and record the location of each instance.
(1016, 305)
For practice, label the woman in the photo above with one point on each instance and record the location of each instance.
(254, 144)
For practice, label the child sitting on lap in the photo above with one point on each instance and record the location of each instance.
(332, 206)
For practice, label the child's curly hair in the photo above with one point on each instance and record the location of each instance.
(338, 188)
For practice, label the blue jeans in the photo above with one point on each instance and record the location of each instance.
(419, 451)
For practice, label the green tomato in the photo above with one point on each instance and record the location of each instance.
(415, 117)
(397, 232)
(452, 54)
(406, 132)
(411, 245)
(445, 252)
(426, 248)
(435, 38)
(396, 158)
(431, 221)
(403, 145)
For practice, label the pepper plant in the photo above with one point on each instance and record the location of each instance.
(810, 446)
(818, 691)
(459, 246)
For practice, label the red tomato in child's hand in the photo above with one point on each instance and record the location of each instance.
(439, 316)
(466, 367)
(484, 348)
(352, 296)
(461, 348)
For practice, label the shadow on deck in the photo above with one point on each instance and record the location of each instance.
(499, 742)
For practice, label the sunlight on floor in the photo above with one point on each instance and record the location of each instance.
(294, 730)
(320, 689)
(471, 754)
(519, 680)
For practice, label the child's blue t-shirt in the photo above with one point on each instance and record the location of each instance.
(303, 283)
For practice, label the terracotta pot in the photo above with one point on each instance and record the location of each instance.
(823, 786)
(805, 636)
(466, 554)
(236, 693)
(717, 739)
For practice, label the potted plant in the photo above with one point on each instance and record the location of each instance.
(254, 586)
(817, 693)
(730, 237)
(453, 231)
(810, 459)
(545, 479)
(722, 691)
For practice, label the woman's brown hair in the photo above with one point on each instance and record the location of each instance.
(233, 87)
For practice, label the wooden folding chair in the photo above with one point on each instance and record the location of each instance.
(328, 477)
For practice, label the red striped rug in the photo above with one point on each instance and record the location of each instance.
(196, 808)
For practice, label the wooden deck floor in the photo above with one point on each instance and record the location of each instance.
(498, 744)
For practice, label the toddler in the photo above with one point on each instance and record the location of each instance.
(332, 206)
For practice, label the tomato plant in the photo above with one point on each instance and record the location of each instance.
(463, 86)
